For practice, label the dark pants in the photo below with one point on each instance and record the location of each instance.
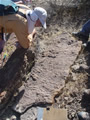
(86, 28)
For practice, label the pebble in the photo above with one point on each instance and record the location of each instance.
(7, 119)
(13, 117)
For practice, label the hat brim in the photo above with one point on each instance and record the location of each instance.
(43, 23)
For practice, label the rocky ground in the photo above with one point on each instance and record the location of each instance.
(64, 19)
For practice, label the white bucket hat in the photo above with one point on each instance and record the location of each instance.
(34, 15)
(31, 18)
(42, 15)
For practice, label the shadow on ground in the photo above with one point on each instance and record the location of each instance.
(13, 74)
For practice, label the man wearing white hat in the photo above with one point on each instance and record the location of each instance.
(23, 23)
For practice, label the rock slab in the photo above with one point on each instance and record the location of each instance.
(50, 72)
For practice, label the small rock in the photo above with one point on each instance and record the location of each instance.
(13, 117)
(75, 67)
(87, 92)
(7, 119)
(70, 116)
(73, 114)
(83, 115)
(59, 106)
(83, 67)
(74, 78)
(66, 98)
(3, 94)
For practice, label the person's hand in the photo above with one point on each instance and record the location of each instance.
(34, 33)
(30, 37)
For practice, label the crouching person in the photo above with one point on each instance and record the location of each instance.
(23, 23)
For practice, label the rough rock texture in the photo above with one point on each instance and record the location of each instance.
(50, 71)
(31, 114)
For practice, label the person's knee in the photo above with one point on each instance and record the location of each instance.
(25, 46)
(24, 43)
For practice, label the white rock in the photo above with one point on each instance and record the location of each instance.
(7, 119)
(13, 117)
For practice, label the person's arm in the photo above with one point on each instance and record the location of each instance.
(32, 36)
(34, 33)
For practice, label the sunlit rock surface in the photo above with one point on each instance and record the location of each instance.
(50, 71)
